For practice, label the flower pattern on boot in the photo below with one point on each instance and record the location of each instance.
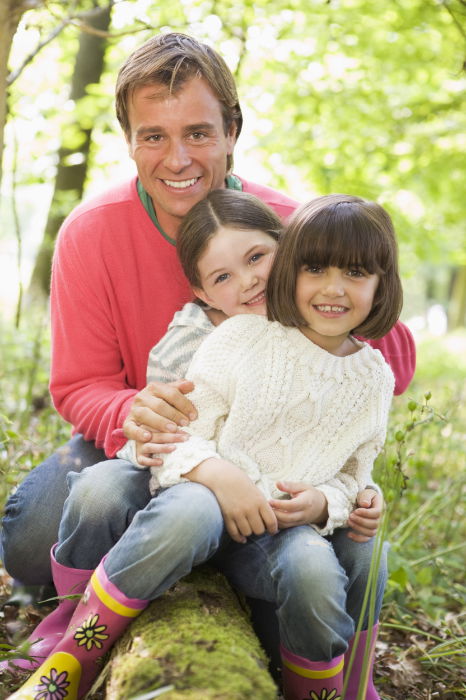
(91, 633)
(52, 687)
(324, 695)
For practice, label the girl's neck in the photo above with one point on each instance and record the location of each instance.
(341, 346)
(215, 316)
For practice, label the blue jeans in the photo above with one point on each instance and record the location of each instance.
(33, 511)
(316, 584)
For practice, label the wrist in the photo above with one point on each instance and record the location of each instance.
(206, 473)
(320, 508)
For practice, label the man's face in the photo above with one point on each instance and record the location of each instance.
(179, 146)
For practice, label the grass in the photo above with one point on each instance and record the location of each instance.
(420, 653)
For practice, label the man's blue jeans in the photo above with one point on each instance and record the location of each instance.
(316, 584)
(33, 512)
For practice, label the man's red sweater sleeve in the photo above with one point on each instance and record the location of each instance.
(112, 297)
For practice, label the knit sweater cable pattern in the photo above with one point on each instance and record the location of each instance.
(280, 407)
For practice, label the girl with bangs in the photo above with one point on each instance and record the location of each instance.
(289, 401)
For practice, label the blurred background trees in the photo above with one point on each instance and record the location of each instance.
(339, 95)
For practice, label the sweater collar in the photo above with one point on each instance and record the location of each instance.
(232, 182)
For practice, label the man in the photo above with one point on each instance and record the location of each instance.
(116, 283)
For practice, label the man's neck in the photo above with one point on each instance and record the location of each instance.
(167, 224)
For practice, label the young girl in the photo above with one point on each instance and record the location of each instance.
(295, 397)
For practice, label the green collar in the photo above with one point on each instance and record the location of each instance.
(232, 182)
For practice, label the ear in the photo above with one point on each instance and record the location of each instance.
(231, 138)
(199, 292)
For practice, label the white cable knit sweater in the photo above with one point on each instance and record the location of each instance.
(278, 406)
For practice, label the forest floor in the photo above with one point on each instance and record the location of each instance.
(398, 673)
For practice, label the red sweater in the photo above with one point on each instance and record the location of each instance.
(116, 284)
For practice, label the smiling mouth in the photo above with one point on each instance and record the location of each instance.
(327, 308)
(259, 298)
(181, 184)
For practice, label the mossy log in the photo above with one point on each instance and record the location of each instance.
(197, 638)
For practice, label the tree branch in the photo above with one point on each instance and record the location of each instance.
(15, 74)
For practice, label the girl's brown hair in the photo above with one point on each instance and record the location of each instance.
(342, 231)
(220, 208)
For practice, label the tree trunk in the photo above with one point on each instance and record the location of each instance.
(72, 159)
(11, 12)
(198, 639)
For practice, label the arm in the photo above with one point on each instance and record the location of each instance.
(161, 408)
(308, 505)
(342, 491)
(213, 372)
(88, 379)
(168, 361)
(244, 508)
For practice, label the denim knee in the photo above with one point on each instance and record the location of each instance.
(102, 492)
(312, 576)
(180, 528)
(33, 511)
(311, 597)
(356, 559)
(191, 514)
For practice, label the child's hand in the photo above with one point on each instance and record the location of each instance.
(244, 507)
(365, 520)
(148, 453)
(306, 505)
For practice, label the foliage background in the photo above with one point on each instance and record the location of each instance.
(338, 95)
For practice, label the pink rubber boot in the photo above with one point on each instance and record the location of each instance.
(102, 615)
(47, 634)
(355, 674)
(311, 680)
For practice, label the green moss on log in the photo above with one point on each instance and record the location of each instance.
(196, 637)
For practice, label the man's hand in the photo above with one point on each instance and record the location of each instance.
(244, 507)
(365, 519)
(159, 408)
(306, 505)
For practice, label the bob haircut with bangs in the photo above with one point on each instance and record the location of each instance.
(344, 231)
(221, 208)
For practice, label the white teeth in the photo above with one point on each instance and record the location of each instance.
(333, 309)
(181, 184)
(255, 299)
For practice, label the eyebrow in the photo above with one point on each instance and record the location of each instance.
(201, 126)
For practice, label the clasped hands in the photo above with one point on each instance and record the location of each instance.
(155, 422)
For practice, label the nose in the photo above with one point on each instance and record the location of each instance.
(177, 156)
(248, 280)
(333, 286)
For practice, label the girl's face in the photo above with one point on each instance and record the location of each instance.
(333, 301)
(234, 270)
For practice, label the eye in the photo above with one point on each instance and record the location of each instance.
(313, 269)
(356, 272)
(197, 136)
(153, 138)
(221, 278)
(255, 258)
